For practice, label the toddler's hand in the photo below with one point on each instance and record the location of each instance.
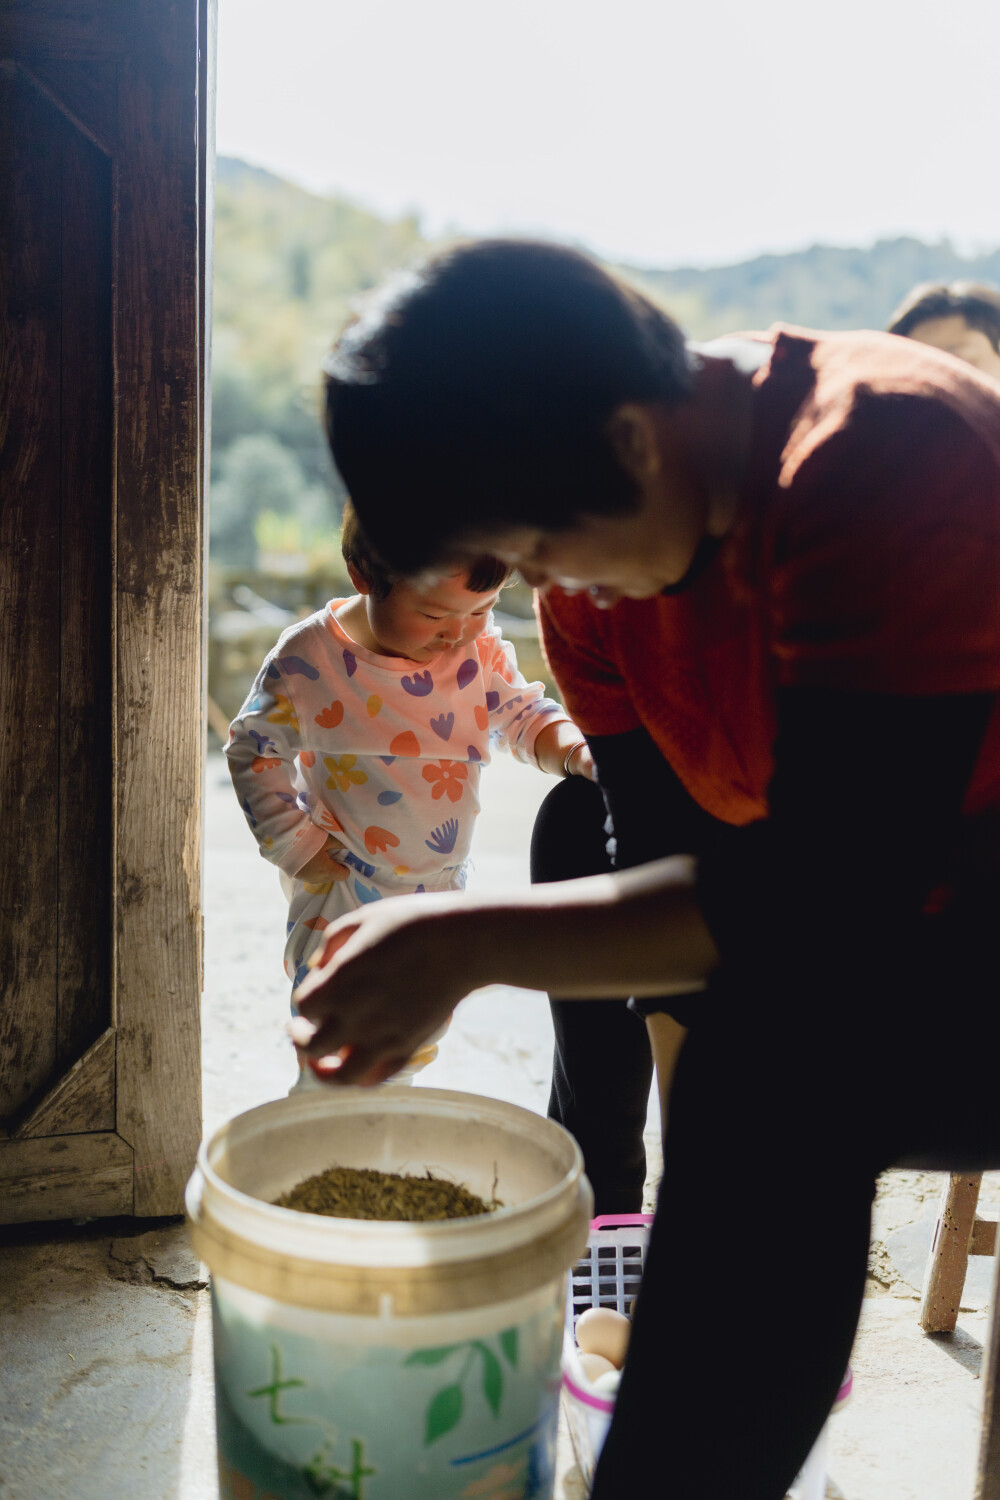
(582, 763)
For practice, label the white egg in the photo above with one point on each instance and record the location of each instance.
(608, 1383)
(595, 1365)
(602, 1330)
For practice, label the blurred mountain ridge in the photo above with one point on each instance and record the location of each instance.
(824, 286)
(290, 264)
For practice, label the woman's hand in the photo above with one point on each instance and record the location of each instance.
(390, 975)
(385, 979)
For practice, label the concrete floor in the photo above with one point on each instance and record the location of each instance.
(107, 1374)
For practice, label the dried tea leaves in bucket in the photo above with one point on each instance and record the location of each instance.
(363, 1193)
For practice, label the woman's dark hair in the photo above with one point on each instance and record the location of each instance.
(977, 305)
(483, 574)
(474, 394)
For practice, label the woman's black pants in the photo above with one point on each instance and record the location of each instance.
(783, 1113)
(782, 1116)
(602, 1065)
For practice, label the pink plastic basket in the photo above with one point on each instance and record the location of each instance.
(608, 1274)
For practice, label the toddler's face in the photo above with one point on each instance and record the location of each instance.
(954, 335)
(420, 623)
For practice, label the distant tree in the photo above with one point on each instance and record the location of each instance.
(299, 272)
(240, 408)
(236, 412)
(258, 474)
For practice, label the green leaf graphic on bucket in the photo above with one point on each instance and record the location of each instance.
(302, 1416)
(446, 1407)
(323, 1477)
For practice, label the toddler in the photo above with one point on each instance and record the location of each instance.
(357, 754)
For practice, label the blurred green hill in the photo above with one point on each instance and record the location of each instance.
(288, 265)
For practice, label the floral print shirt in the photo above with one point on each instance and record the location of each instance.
(386, 756)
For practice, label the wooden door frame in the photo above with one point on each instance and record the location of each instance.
(117, 1134)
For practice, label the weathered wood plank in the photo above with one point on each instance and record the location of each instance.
(948, 1260)
(159, 631)
(65, 28)
(32, 138)
(59, 493)
(207, 52)
(85, 92)
(984, 1237)
(86, 594)
(65, 1177)
(82, 1101)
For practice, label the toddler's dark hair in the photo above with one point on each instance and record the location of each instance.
(483, 574)
(474, 394)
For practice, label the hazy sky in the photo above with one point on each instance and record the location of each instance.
(661, 132)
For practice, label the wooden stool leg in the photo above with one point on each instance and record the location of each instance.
(666, 1037)
(949, 1257)
(988, 1480)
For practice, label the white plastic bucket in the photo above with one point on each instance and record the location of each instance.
(386, 1361)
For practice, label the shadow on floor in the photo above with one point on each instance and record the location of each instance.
(99, 1382)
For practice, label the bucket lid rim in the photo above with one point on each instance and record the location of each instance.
(396, 1233)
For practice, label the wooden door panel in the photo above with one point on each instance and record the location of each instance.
(58, 484)
(82, 1101)
(85, 659)
(160, 624)
(102, 314)
(30, 467)
(85, 91)
(70, 29)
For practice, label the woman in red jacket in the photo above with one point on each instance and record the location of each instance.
(817, 518)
